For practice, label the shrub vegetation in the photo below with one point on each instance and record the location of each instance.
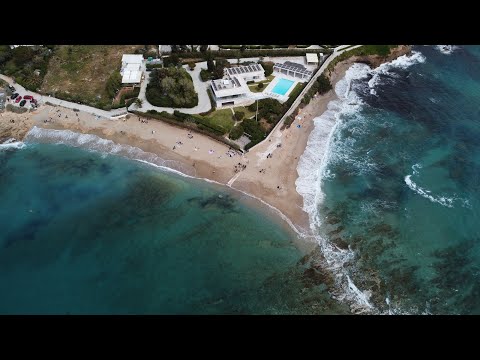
(171, 87)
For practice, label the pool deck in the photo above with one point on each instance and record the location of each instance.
(269, 89)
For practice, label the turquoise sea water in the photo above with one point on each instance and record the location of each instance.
(83, 232)
(390, 178)
(399, 187)
(282, 86)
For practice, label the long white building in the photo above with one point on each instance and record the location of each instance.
(233, 88)
(131, 69)
(254, 72)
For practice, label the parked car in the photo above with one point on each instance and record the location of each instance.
(11, 88)
(23, 102)
(14, 96)
(28, 97)
(17, 99)
(33, 101)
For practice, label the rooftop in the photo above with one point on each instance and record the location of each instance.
(244, 69)
(312, 57)
(132, 59)
(131, 76)
(291, 66)
(229, 86)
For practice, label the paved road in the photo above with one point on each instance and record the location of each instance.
(200, 87)
(67, 104)
(322, 68)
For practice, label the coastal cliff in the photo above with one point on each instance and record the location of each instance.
(376, 60)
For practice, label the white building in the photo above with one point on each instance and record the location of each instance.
(294, 70)
(131, 69)
(312, 59)
(229, 91)
(254, 72)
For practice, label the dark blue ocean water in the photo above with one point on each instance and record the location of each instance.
(87, 233)
(399, 191)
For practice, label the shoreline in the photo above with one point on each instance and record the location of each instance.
(268, 180)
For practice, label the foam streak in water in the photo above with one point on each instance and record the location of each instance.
(325, 147)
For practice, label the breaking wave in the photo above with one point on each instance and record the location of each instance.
(11, 144)
(98, 144)
(427, 194)
(446, 49)
(325, 147)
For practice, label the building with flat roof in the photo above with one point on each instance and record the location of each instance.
(293, 69)
(254, 72)
(312, 59)
(229, 91)
(131, 70)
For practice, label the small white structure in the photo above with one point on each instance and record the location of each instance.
(131, 69)
(312, 59)
(254, 72)
(229, 91)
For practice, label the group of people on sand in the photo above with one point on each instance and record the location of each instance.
(143, 121)
(239, 167)
(231, 152)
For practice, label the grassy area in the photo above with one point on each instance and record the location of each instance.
(222, 118)
(254, 87)
(80, 72)
(246, 111)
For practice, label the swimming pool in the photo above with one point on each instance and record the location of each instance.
(282, 86)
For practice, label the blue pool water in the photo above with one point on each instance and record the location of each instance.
(282, 86)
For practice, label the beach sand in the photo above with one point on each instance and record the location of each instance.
(269, 179)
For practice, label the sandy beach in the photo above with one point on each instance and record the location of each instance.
(267, 172)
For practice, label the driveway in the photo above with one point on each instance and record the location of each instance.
(200, 87)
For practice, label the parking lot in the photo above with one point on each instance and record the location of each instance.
(25, 101)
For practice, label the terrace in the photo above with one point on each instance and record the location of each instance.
(293, 69)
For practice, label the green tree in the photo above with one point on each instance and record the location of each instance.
(210, 65)
(236, 132)
(220, 65)
(114, 83)
(239, 115)
(324, 84)
(22, 54)
(268, 67)
(203, 48)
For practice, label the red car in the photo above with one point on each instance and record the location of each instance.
(17, 99)
(28, 97)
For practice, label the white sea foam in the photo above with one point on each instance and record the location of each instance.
(98, 144)
(427, 194)
(442, 200)
(402, 62)
(105, 147)
(446, 49)
(325, 147)
(11, 144)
